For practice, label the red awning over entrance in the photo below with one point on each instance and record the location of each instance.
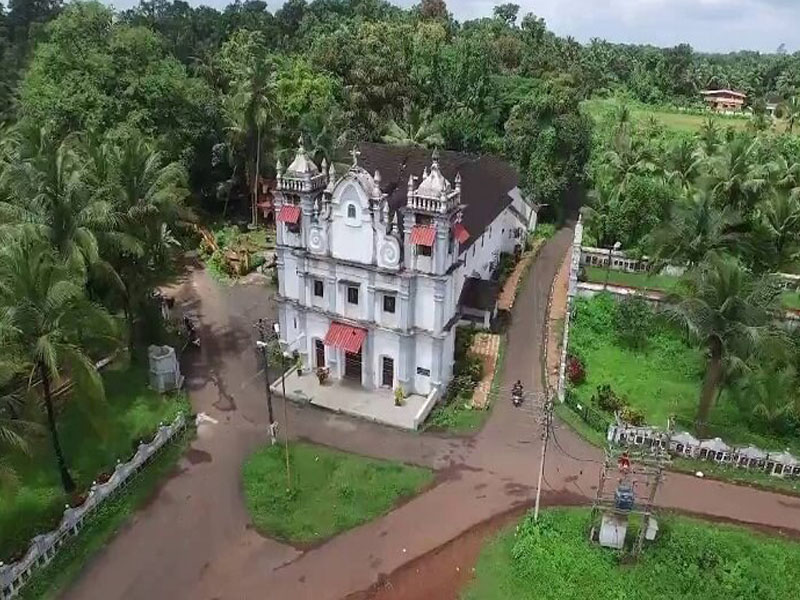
(289, 214)
(423, 235)
(345, 337)
(460, 232)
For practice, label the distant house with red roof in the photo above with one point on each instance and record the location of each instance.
(724, 100)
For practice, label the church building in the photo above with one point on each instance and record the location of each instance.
(377, 265)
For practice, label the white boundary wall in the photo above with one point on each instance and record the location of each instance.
(44, 547)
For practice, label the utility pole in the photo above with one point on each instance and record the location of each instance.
(285, 423)
(262, 344)
(547, 420)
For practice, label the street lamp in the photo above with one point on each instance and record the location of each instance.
(617, 246)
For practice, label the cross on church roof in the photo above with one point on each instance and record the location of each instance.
(355, 153)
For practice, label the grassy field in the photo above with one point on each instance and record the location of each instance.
(662, 283)
(790, 299)
(331, 491)
(133, 413)
(672, 119)
(52, 580)
(661, 380)
(553, 560)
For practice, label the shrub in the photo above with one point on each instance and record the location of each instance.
(576, 373)
(633, 319)
(606, 399)
(631, 415)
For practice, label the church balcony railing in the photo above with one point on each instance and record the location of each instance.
(428, 204)
(301, 185)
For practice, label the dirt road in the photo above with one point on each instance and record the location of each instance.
(193, 540)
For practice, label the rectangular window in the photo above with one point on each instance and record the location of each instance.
(423, 219)
(424, 372)
(389, 303)
(483, 236)
(352, 295)
(424, 250)
(319, 290)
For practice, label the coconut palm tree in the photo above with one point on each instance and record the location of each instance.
(736, 176)
(147, 197)
(628, 157)
(695, 228)
(723, 308)
(416, 129)
(767, 392)
(15, 430)
(248, 110)
(781, 219)
(709, 137)
(48, 198)
(789, 110)
(683, 164)
(47, 318)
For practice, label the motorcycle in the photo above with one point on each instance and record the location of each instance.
(191, 331)
(517, 396)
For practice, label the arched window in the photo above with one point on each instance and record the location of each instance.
(351, 211)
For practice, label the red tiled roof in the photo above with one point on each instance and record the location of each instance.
(289, 214)
(423, 235)
(460, 232)
(346, 337)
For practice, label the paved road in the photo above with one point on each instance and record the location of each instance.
(193, 541)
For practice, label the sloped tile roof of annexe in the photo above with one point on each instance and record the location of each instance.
(346, 337)
(485, 180)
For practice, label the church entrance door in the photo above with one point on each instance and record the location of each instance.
(352, 365)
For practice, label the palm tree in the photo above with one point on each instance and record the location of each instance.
(709, 137)
(49, 198)
(736, 176)
(46, 318)
(790, 111)
(784, 175)
(781, 218)
(248, 110)
(148, 202)
(723, 308)
(695, 228)
(15, 430)
(768, 393)
(416, 129)
(628, 157)
(683, 165)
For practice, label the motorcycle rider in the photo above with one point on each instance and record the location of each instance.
(517, 392)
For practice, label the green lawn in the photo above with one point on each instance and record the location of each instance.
(671, 119)
(554, 560)
(663, 283)
(790, 299)
(133, 413)
(661, 380)
(331, 491)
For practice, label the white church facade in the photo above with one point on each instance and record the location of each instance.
(373, 263)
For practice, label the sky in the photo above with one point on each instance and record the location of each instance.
(708, 25)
